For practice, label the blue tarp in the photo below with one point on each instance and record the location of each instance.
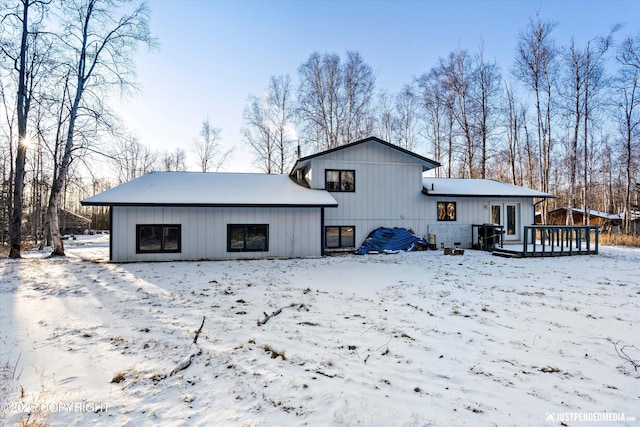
(390, 239)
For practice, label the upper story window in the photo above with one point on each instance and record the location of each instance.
(340, 180)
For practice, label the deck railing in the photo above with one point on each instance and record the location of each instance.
(560, 239)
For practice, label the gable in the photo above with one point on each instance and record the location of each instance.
(370, 150)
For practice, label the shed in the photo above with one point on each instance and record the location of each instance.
(608, 222)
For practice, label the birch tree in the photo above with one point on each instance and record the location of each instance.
(26, 59)
(268, 126)
(437, 116)
(486, 83)
(131, 159)
(385, 117)
(100, 38)
(535, 66)
(594, 81)
(515, 121)
(335, 100)
(207, 147)
(628, 114)
(407, 127)
(575, 82)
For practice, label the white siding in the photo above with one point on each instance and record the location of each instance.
(389, 194)
(293, 232)
(472, 210)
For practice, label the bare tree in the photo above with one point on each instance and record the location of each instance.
(27, 59)
(535, 67)
(594, 77)
(456, 70)
(101, 39)
(257, 132)
(207, 148)
(407, 116)
(268, 126)
(575, 83)
(131, 159)
(334, 99)
(282, 111)
(485, 88)
(385, 117)
(175, 161)
(437, 115)
(628, 113)
(515, 120)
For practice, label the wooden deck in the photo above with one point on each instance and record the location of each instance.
(553, 241)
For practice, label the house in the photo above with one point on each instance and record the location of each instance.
(330, 201)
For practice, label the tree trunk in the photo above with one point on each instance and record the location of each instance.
(54, 225)
(15, 225)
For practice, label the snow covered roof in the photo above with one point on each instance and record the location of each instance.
(476, 188)
(591, 213)
(212, 189)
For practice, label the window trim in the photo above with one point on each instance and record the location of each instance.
(340, 172)
(245, 228)
(443, 211)
(340, 245)
(162, 250)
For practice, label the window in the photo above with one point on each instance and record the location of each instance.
(339, 237)
(155, 238)
(496, 217)
(446, 211)
(340, 180)
(511, 219)
(247, 238)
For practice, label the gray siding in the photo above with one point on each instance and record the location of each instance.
(293, 232)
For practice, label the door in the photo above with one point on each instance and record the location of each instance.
(507, 215)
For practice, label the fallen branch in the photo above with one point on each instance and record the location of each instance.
(186, 362)
(621, 352)
(269, 316)
(278, 311)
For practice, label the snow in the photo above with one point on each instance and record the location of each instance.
(407, 339)
(212, 189)
(476, 188)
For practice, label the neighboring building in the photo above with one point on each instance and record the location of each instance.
(72, 223)
(330, 202)
(608, 222)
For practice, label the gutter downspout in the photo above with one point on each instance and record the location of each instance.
(321, 231)
(110, 233)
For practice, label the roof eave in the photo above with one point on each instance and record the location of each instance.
(213, 205)
(427, 192)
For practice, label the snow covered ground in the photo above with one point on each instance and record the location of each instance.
(409, 339)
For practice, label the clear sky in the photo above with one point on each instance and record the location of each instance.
(214, 53)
